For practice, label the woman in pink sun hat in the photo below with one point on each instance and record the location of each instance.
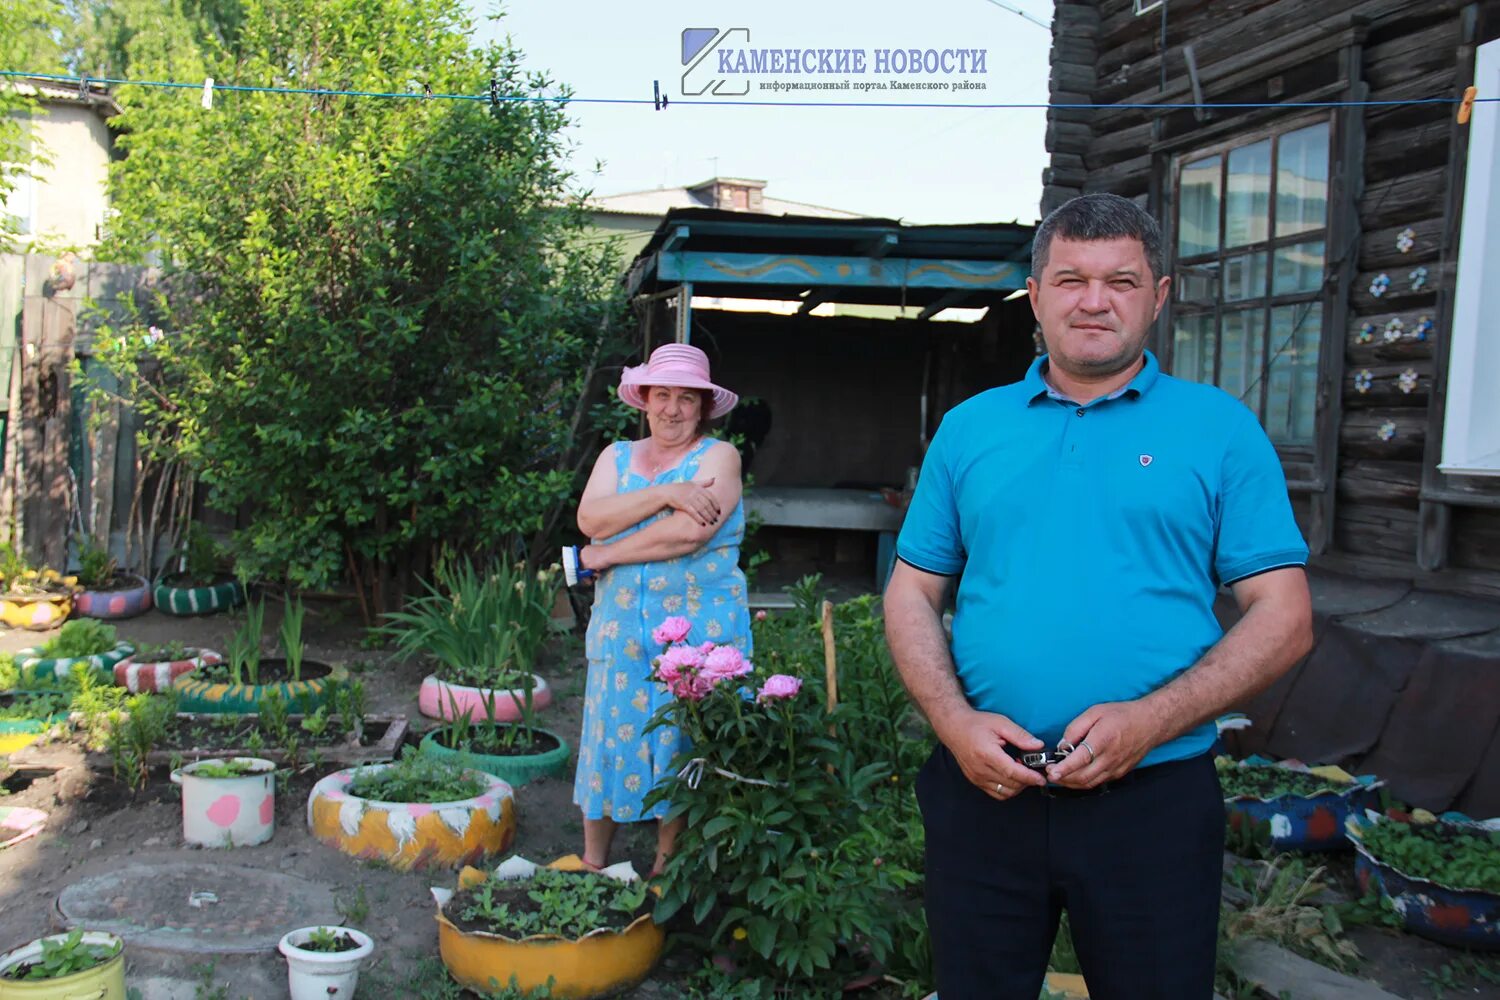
(667, 520)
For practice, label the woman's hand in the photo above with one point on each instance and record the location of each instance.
(694, 499)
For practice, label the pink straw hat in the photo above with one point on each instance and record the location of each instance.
(681, 366)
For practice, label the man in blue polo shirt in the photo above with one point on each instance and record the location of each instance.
(1088, 514)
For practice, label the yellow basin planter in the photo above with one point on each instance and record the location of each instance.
(410, 835)
(44, 601)
(105, 981)
(598, 964)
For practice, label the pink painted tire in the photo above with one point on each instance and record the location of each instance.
(436, 700)
(127, 603)
(158, 675)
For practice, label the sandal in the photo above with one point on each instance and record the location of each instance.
(574, 571)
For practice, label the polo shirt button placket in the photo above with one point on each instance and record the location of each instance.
(1080, 411)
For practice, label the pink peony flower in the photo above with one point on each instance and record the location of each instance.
(674, 629)
(724, 662)
(779, 686)
(677, 661)
(760, 616)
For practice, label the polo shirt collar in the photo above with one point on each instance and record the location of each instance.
(1037, 387)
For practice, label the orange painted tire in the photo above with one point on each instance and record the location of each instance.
(599, 964)
(410, 835)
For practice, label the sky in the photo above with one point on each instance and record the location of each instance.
(920, 165)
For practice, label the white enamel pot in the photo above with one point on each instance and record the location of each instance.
(228, 812)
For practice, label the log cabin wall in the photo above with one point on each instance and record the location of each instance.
(1364, 481)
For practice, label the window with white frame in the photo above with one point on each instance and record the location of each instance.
(1251, 250)
(1471, 421)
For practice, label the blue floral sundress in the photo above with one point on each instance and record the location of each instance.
(618, 763)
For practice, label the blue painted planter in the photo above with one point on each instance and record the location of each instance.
(1304, 822)
(1462, 918)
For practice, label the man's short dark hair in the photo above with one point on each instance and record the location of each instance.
(1092, 217)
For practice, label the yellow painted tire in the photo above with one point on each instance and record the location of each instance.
(409, 835)
(36, 612)
(599, 964)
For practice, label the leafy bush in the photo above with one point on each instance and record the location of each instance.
(80, 637)
(384, 326)
(802, 846)
(96, 567)
(416, 777)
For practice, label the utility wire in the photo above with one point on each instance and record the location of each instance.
(1017, 10)
(82, 84)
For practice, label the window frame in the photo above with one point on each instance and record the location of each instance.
(1308, 457)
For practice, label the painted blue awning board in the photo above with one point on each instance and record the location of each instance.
(808, 270)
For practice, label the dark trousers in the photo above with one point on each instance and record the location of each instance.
(1137, 868)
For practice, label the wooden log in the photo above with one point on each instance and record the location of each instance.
(1405, 384)
(1067, 137)
(1067, 161)
(1380, 250)
(1073, 76)
(1390, 337)
(1405, 199)
(1392, 434)
(1118, 143)
(1411, 55)
(1395, 152)
(1376, 482)
(1075, 18)
(1384, 532)
(1127, 178)
(1438, 83)
(1079, 49)
(1279, 972)
(1059, 111)
(1052, 197)
(1064, 176)
(1413, 287)
(1476, 538)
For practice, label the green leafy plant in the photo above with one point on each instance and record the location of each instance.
(1456, 855)
(96, 567)
(416, 777)
(291, 637)
(1281, 908)
(79, 638)
(316, 724)
(135, 732)
(200, 561)
(228, 769)
(272, 717)
(1269, 781)
(329, 940)
(349, 702)
(163, 652)
(484, 628)
(17, 575)
(551, 902)
(243, 646)
(38, 705)
(63, 958)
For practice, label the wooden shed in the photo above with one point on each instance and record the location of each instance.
(1332, 213)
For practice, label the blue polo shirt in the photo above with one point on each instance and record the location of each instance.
(1090, 540)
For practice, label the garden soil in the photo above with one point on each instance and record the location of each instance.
(97, 825)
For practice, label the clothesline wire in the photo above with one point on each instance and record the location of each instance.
(83, 82)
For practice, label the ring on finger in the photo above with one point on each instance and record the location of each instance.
(1085, 745)
(999, 788)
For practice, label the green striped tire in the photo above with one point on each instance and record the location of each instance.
(195, 695)
(198, 600)
(34, 667)
(514, 771)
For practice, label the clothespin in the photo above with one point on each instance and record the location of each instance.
(494, 93)
(1466, 106)
(426, 90)
(83, 87)
(208, 94)
(658, 99)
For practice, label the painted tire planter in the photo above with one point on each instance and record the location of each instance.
(228, 812)
(195, 695)
(105, 981)
(323, 975)
(598, 964)
(1305, 822)
(158, 675)
(1461, 918)
(35, 667)
(436, 698)
(411, 835)
(513, 770)
(198, 600)
(124, 603)
(40, 612)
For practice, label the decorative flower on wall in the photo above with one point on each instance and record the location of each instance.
(1418, 279)
(1424, 327)
(1406, 239)
(1408, 381)
(1387, 430)
(1366, 333)
(1380, 284)
(1394, 328)
(1363, 381)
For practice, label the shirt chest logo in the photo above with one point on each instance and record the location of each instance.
(1145, 460)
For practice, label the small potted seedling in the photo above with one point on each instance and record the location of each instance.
(322, 963)
(76, 964)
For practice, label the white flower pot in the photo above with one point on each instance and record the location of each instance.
(323, 975)
(228, 812)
